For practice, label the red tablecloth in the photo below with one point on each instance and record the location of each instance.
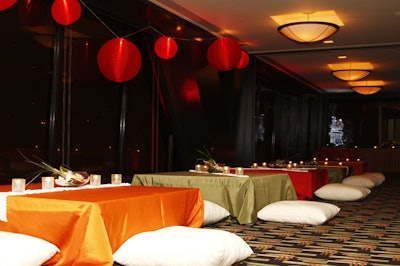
(88, 225)
(304, 182)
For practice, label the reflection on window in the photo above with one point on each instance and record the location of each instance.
(336, 131)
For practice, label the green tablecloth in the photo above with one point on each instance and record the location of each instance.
(336, 173)
(243, 197)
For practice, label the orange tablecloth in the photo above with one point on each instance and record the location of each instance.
(88, 225)
(304, 182)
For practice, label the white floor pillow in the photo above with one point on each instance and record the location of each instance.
(24, 250)
(298, 211)
(377, 177)
(342, 192)
(213, 212)
(183, 246)
(360, 180)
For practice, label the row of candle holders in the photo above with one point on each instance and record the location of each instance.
(18, 184)
(225, 169)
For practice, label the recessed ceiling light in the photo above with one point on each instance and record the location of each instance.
(342, 57)
(328, 41)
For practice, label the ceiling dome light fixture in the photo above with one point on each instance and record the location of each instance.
(308, 31)
(308, 27)
(351, 71)
(367, 87)
(367, 90)
(351, 74)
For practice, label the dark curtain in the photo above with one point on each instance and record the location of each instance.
(245, 144)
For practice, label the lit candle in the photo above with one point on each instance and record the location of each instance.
(197, 167)
(347, 159)
(375, 147)
(340, 163)
(226, 170)
(326, 163)
(205, 168)
(326, 159)
(47, 182)
(289, 166)
(18, 185)
(116, 179)
(95, 180)
(301, 162)
(295, 165)
(239, 170)
(255, 165)
(358, 160)
(264, 164)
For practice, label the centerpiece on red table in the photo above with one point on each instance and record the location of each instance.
(64, 176)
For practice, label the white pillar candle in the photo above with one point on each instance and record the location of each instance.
(47, 182)
(95, 180)
(239, 170)
(18, 185)
(226, 170)
(116, 179)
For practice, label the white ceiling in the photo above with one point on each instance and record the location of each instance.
(371, 32)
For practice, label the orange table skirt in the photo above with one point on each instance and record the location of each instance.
(89, 225)
(305, 183)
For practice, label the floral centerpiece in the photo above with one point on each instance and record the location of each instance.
(207, 159)
(64, 176)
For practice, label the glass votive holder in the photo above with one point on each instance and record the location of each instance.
(239, 170)
(204, 168)
(116, 179)
(264, 164)
(340, 163)
(326, 163)
(18, 185)
(95, 180)
(197, 167)
(255, 165)
(226, 170)
(47, 182)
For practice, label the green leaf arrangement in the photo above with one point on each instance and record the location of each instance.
(207, 159)
(68, 176)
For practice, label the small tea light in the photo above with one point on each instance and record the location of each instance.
(226, 170)
(326, 163)
(326, 159)
(116, 179)
(301, 162)
(358, 160)
(95, 180)
(294, 165)
(205, 168)
(264, 164)
(255, 165)
(47, 182)
(239, 170)
(314, 159)
(347, 159)
(375, 147)
(289, 166)
(340, 163)
(197, 167)
(18, 185)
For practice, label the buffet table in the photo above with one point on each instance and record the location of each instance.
(243, 197)
(305, 182)
(88, 225)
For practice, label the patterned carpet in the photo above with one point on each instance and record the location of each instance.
(363, 233)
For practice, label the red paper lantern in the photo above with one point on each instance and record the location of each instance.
(224, 54)
(165, 47)
(4, 4)
(244, 60)
(66, 12)
(119, 60)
